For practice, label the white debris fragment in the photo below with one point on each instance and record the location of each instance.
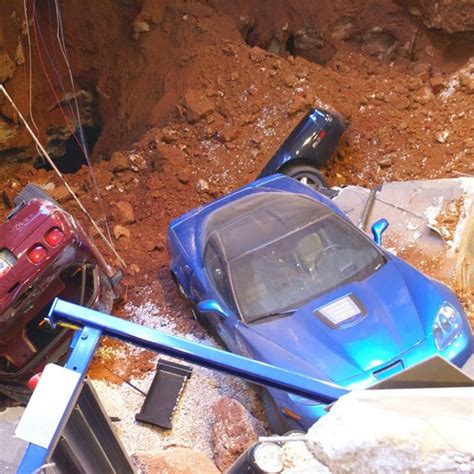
(442, 136)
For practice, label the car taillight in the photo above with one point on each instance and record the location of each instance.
(54, 237)
(37, 254)
(322, 134)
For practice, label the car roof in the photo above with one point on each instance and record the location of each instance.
(256, 219)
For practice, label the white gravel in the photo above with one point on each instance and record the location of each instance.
(193, 418)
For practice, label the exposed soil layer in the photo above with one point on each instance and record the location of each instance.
(191, 107)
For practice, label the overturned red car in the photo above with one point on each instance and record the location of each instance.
(44, 253)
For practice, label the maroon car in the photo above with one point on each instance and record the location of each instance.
(44, 253)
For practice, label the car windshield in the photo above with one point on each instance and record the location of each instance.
(282, 253)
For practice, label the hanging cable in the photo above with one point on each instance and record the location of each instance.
(82, 144)
(55, 168)
(62, 46)
(38, 35)
(30, 74)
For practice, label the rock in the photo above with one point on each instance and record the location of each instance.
(275, 46)
(119, 162)
(202, 186)
(122, 213)
(7, 66)
(166, 154)
(120, 231)
(19, 55)
(230, 49)
(152, 12)
(297, 104)
(378, 42)
(197, 105)
(141, 26)
(343, 29)
(437, 84)
(133, 269)
(466, 82)
(405, 430)
(441, 137)
(385, 162)
(137, 161)
(235, 429)
(229, 134)
(424, 95)
(61, 194)
(310, 44)
(174, 461)
(447, 15)
(8, 196)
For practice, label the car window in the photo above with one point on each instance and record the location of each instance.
(281, 275)
(217, 272)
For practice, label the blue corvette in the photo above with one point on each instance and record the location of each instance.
(281, 275)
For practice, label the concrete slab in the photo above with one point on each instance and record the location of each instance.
(11, 448)
(435, 216)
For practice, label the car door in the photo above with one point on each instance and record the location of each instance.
(219, 288)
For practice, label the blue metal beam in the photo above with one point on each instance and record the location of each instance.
(252, 370)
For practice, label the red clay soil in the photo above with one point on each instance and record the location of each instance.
(191, 111)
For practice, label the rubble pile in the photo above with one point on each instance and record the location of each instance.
(193, 99)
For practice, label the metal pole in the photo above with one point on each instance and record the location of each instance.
(252, 370)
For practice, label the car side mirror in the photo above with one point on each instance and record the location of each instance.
(212, 306)
(378, 228)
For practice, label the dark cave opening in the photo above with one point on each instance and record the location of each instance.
(290, 45)
(74, 157)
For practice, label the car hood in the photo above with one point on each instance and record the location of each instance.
(390, 326)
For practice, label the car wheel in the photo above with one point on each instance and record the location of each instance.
(274, 417)
(307, 175)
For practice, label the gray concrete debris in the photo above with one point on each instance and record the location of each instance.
(415, 430)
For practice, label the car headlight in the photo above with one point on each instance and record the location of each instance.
(446, 325)
(267, 458)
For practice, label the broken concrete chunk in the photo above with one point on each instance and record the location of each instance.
(407, 430)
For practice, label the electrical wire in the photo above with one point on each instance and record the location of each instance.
(30, 75)
(55, 168)
(81, 143)
(62, 46)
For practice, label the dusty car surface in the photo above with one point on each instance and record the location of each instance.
(44, 253)
(307, 148)
(281, 275)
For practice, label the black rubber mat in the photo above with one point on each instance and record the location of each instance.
(164, 394)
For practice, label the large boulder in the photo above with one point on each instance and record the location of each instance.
(415, 430)
(235, 430)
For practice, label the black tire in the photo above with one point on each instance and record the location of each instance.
(275, 419)
(306, 174)
(29, 192)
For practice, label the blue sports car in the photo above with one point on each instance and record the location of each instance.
(281, 275)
